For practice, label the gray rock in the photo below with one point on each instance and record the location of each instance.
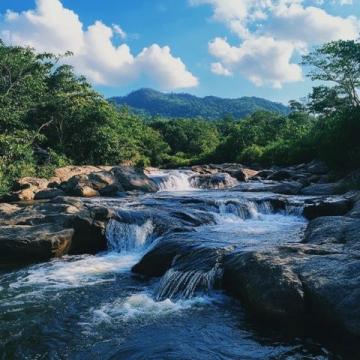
(214, 181)
(322, 189)
(41, 242)
(131, 178)
(48, 194)
(331, 206)
(267, 286)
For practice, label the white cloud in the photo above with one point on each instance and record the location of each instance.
(311, 25)
(219, 69)
(262, 60)
(346, 2)
(271, 32)
(53, 28)
(119, 31)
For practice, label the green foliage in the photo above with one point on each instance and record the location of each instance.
(16, 158)
(153, 103)
(193, 138)
(338, 137)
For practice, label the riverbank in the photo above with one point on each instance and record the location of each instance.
(290, 257)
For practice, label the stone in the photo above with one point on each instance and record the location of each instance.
(243, 174)
(131, 178)
(317, 167)
(264, 174)
(280, 175)
(269, 288)
(41, 242)
(30, 183)
(322, 189)
(67, 172)
(48, 194)
(286, 187)
(327, 207)
(213, 181)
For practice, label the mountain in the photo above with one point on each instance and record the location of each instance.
(155, 103)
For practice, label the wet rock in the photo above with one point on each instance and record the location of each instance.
(331, 286)
(328, 207)
(34, 243)
(280, 175)
(286, 188)
(204, 169)
(215, 181)
(268, 287)
(88, 224)
(322, 189)
(132, 178)
(243, 174)
(159, 259)
(334, 230)
(317, 167)
(264, 174)
(48, 194)
(181, 252)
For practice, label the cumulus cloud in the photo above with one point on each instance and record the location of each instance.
(265, 53)
(311, 25)
(53, 28)
(262, 60)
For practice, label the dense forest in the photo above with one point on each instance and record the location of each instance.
(51, 117)
(149, 102)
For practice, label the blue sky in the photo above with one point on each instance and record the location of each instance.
(227, 48)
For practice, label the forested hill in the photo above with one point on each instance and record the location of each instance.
(155, 103)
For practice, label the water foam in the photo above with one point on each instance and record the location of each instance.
(142, 306)
(74, 271)
(184, 284)
(124, 237)
(173, 180)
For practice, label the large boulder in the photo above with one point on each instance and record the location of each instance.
(30, 183)
(243, 174)
(67, 172)
(94, 184)
(79, 185)
(41, 230)
(267, 286)
(214, 181)
(48, 194)
(322, 189)
(281, 175)
(317, 167)
(285, 187)
(132, 178)
(41, 242)
(330, 206)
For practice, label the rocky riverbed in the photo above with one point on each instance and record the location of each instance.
(284, 242)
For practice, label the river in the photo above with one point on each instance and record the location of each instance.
(94, 307)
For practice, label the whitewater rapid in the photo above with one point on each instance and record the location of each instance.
(94, 306)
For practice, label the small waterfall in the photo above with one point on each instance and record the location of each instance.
(294, 209)
(124, 237)
(184, 284)
(173, 180)
(245, 209)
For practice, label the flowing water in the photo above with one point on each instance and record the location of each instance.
(94, 307)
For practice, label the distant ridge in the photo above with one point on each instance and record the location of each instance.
(155, 103)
